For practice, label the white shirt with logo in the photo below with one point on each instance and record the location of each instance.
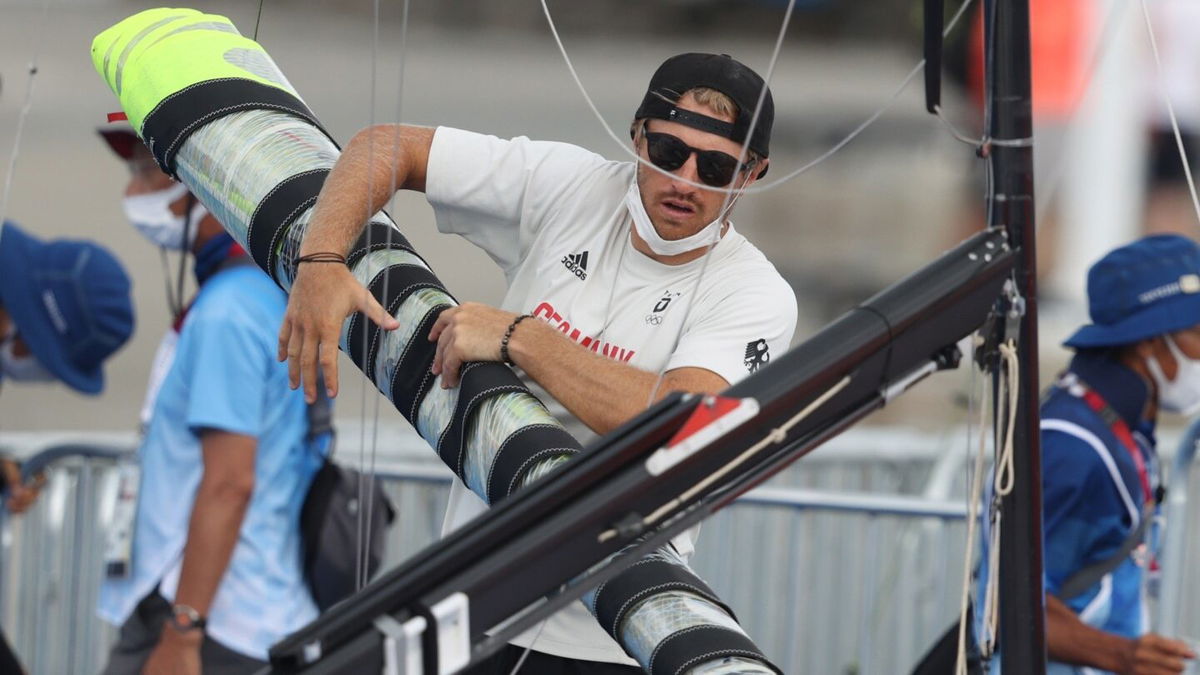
(553, 216)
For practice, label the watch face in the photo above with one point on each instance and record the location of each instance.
(184, 618)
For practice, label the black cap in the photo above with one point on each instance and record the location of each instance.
(680, 73)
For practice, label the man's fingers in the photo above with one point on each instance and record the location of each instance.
(440, 325)
(285, 335)
(329, 364)
(439, 354)
(308, 367)
(375, 312)
(295, 345)
(450, 367)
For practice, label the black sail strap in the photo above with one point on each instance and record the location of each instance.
(177, 116)
(617, 597)
(277, 211)
(690, 647)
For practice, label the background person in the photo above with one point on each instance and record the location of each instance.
(226, 462)
(65, 308)
(1100, 471)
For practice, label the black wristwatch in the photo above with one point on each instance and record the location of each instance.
(186, 619)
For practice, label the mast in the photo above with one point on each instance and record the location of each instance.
(1022, 611)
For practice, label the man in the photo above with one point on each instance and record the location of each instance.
(1100, 471)
(64, 310)
(605, 260)
(225, 462)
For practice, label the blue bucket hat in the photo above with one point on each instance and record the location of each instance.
(1148, 288)
(70, 302)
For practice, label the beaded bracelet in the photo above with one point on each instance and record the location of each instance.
(508, 336)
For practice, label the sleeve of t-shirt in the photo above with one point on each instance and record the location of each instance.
(499, 193)
(1084, 519)
(229, 374)
(741, 332)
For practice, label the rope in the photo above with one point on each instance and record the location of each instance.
(1187, 170)
(973, 502)
(754, 189)
(26, 106)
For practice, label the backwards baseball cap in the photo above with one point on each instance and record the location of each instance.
(1138, 291)
(70, 302)
(721, 72)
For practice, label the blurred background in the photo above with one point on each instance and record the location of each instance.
(894, 198)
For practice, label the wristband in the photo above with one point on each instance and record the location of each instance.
(508, 336)
(322, 257)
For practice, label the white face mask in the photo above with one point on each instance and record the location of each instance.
(22, 368)
(151, 214)
(645, 229)
(1181, 395)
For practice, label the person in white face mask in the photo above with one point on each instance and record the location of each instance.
(226, 459)
(1101, 481)
(608, 280)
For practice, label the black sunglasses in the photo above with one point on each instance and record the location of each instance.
(714, 167)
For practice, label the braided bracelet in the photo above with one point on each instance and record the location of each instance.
(322, 257)
(508, 336)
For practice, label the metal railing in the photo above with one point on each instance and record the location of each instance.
(847, 563)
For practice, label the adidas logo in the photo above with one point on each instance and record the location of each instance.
(576, 263)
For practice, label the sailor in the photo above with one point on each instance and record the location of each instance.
(215, 576)
(1100, 471)
(65, 308)
(616, 271)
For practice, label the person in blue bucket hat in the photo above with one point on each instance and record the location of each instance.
(64, 309)
(1101, 485)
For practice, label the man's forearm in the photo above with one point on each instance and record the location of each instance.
(1069, 640)
(601, 392)
(220, 507)
(375, 163)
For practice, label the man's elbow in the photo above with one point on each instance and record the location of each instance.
(229, 488)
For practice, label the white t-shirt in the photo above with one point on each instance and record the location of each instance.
(553, 216)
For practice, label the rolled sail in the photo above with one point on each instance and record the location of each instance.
(219, 116)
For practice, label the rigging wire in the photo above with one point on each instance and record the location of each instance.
(1171, 110)
(754, 189)
(258, 21)
(359, 552)
(26, 106)
(396, 142)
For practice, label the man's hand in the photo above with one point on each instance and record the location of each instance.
(176, 654)
(1153, 654)
(20, 495)
(322, 296)
(469, 332)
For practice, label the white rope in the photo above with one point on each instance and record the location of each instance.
(754, 189)
(974, 499)
(26, 106)
(1005, 474)
(1187, 170)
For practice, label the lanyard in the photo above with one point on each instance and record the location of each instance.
(1116, 424)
